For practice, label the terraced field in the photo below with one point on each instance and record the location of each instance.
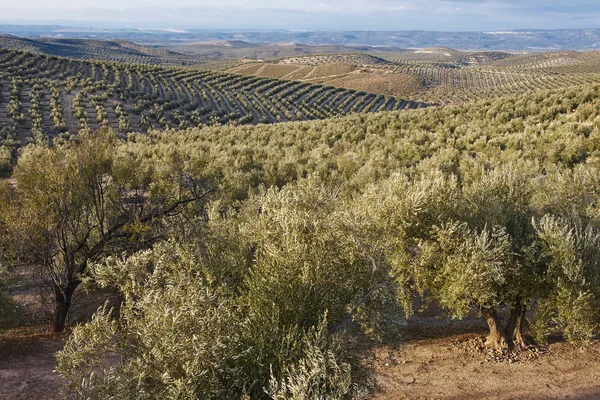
(438, 75)
(48, 96)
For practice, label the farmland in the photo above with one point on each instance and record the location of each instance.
(349, 200)
(213, 54)
(53, 96)
(109, 50)
(438, 75)
(329, 224)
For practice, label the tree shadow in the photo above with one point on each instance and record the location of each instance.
(431, 322)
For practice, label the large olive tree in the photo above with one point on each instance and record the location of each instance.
(467, 240)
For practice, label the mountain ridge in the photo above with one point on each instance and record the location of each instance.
(530, 40)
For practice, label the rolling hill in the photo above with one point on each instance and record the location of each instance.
(46, 96)
(108, 50)
(437, 75)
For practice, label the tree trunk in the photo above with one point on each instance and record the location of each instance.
(63, 298)
(59, 319)
(514, 328)
(497, 338)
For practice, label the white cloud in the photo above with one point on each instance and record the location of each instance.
(321, 14)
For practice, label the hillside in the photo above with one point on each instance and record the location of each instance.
(46, 95)
(371, 146)
(107, 50)
(50, 95)
(438, 75)
(207, 54)
(237, 49)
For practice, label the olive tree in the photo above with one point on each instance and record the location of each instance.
(471, 269)
(573, 304)
(467, 240)
(311, 259)
(177, 335)
(258, 316)
(502, 199)
(74, 203)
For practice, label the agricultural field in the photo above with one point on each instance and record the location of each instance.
(438, 76)
(235, 49)
(386, 223)
(383, 254)
(107, 50)
(216, 54)
(50, 96)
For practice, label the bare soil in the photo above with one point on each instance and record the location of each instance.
(27, 368)
(455, 368)
(431, 357)
(27, 353)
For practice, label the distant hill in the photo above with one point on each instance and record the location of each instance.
(435, 75)
(227, 49)
(203, 53)
(513, 40)
(44, 96)
(108, 50)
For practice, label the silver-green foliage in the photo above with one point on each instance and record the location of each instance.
(309, 260)
(574, 250)
(175, 337)
(420, 202)
(317, 375)
(472, 268)
(200, 321)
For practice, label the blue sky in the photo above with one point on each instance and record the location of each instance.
(442, 15)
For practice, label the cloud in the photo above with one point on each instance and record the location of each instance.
(455, 15)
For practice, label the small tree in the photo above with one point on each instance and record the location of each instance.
(309, 260)
(74, 203)
(176, 338)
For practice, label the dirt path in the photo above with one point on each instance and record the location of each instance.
(286, 76)
(261, 69)
(442, 369)
(27, 368)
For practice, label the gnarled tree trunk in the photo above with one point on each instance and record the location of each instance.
(497, 338)
(515, 325)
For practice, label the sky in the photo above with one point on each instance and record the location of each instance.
(436, 15)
